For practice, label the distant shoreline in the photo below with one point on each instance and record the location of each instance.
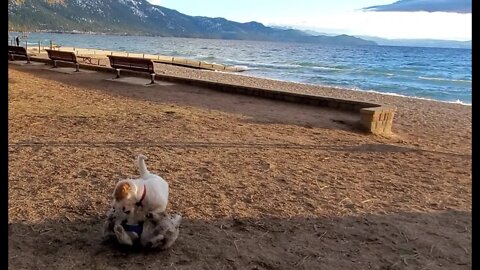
(85, 33)
(75, 32)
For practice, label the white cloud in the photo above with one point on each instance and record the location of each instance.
(436, 25)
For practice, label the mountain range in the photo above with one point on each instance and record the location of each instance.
(139, 17)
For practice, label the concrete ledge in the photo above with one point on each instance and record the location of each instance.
(138, 81)
(68, 70)
(374, 118)
(24, 63)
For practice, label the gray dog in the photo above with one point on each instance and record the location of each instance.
(160, 230)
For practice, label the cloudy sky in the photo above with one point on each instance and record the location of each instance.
(426, 19)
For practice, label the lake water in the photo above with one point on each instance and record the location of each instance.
(431, 73)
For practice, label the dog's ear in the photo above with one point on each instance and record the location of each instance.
(176, 220)
(122, 190)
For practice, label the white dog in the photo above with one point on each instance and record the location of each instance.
(139, 198)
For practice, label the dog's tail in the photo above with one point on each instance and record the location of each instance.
(141, 165)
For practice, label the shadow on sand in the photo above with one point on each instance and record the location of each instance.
(439, 240)
(256, 110)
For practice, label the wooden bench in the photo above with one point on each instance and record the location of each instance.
(18, 50)
(132, 63)
(63, 56)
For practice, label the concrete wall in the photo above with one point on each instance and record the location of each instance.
(374, 118)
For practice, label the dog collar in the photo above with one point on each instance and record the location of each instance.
(139, 203)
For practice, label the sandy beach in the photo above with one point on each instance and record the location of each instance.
(261, 184)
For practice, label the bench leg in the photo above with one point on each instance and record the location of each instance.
(54, 63)
(118, 73)
(77, 67)
(28, 59)
(153, 78)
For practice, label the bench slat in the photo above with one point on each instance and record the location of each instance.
(62, 56)
(131, 63)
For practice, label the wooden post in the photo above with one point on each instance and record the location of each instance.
(26, 44)
(51, 45)
(39, 43)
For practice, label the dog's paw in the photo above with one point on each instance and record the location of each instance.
(134, 236)
(118, 229)
(122, 236)
(155, 242)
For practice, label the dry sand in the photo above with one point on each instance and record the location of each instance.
(261, 184)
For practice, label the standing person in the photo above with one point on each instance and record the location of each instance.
(18, 41)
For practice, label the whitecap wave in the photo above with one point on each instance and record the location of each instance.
(457, 101)
(327, 68)
(443, 79)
